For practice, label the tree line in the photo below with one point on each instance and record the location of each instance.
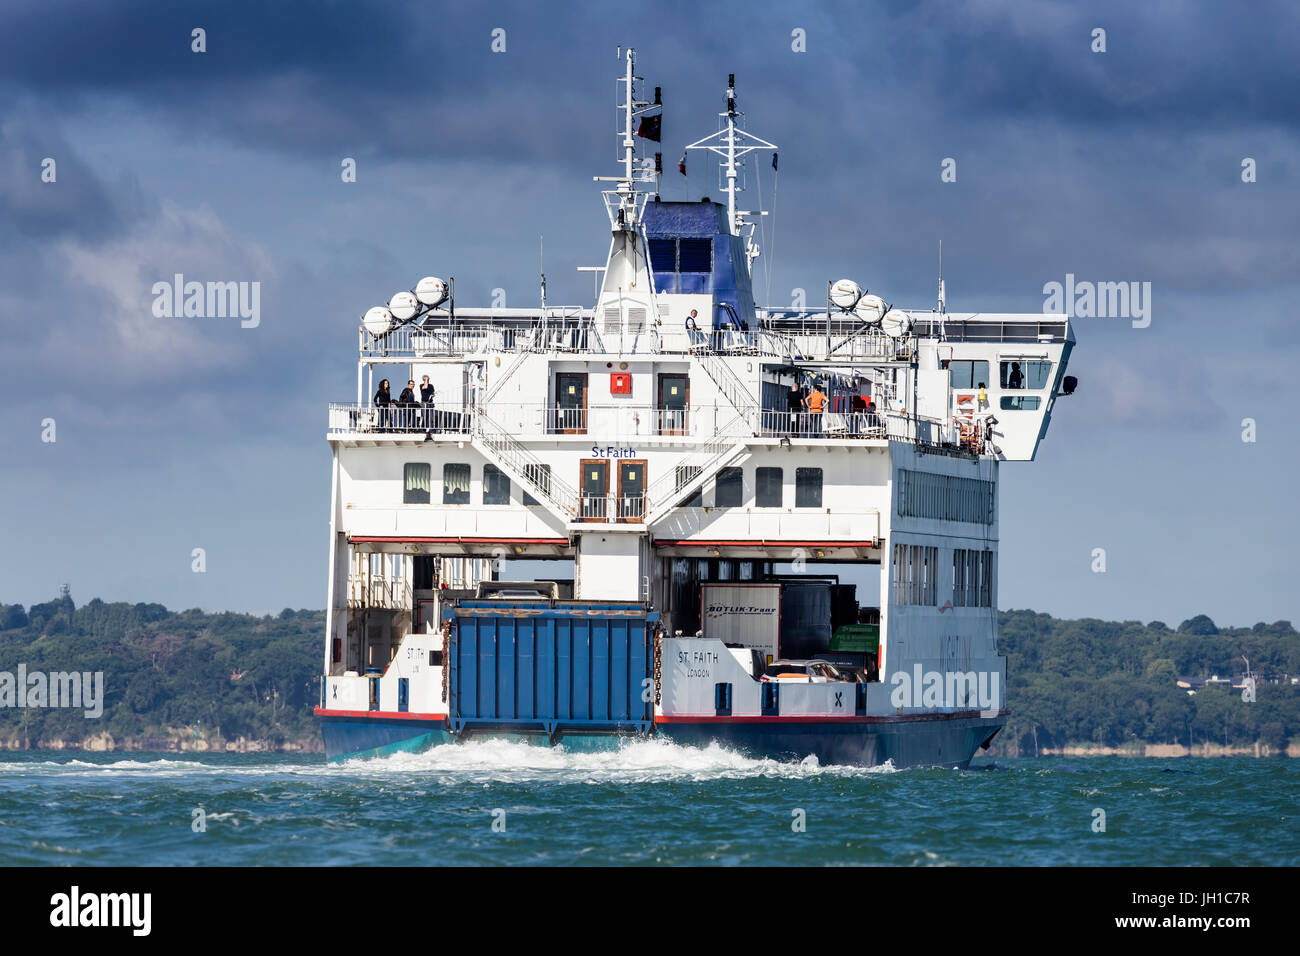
(222, 676)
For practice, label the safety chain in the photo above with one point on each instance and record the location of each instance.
(446, 660)
(659, 667)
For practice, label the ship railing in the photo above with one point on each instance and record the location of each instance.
(560, 331)
(398, 419)
(1045, 329)
(611, 508)
(920, 430)
(613, 421)
(811, 335)
(784, 424)
(368, 590)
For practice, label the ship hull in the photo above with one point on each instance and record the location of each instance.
(941, 741)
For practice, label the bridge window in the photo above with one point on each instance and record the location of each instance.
(1022, 403)
(728, 488)
(682, 265)
(663, 256)
(964, 373)
(455, 483)
(416, 477)
(807, 487)
(496, 486)
(767, 488)
(1016, 375)
(694, 255)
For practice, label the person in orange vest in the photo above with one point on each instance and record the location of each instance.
(815, 402)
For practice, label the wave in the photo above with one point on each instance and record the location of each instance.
(632, 761)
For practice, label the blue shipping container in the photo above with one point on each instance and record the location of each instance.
(550, 666)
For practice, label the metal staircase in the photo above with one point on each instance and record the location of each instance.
(732, 388)
(723, 449)
(521, 465)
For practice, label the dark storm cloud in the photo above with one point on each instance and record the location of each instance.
(78, 203)
(407, 80)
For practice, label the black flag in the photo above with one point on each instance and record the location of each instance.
(681, 166)
(649, 128)
(774, 160)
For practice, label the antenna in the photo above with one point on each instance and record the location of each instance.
(731, 143)
(541, 268)
(943, 298)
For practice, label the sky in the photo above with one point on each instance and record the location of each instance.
(172, 434)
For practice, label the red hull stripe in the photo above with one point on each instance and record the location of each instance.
(813, 718)
(379, 714)
(392, 539)
(764, 542)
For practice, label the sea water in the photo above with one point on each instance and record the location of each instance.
(656, 803)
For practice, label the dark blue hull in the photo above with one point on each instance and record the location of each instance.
(363, 735)
(902, 742)
(948, 741)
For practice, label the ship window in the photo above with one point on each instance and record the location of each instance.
(964, 373)
(767, 488)
(728, 488)
(496, 486)
(541, 474)
(807, 487)
(1018, 375)
(416, 477)
(455, 484)
(663, 256)
(1023, 403)
(695, 255)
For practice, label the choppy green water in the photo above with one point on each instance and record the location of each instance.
(651, 803)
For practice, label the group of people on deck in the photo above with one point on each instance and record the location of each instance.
(405, 413)
(806, 410)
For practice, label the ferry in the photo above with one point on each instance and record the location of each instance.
(699, 471)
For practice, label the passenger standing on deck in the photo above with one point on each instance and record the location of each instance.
(426, 399)
(692, 331)
(816, 403)
(407, 402)
(383, 399)
(794, 402)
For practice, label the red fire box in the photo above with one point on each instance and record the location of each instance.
(620, 383)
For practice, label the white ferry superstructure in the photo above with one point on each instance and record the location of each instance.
(668, 464)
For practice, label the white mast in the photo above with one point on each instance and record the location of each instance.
(626, 297)
(731, 143)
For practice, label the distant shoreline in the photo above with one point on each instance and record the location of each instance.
(1162, 751)
(162, 743)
